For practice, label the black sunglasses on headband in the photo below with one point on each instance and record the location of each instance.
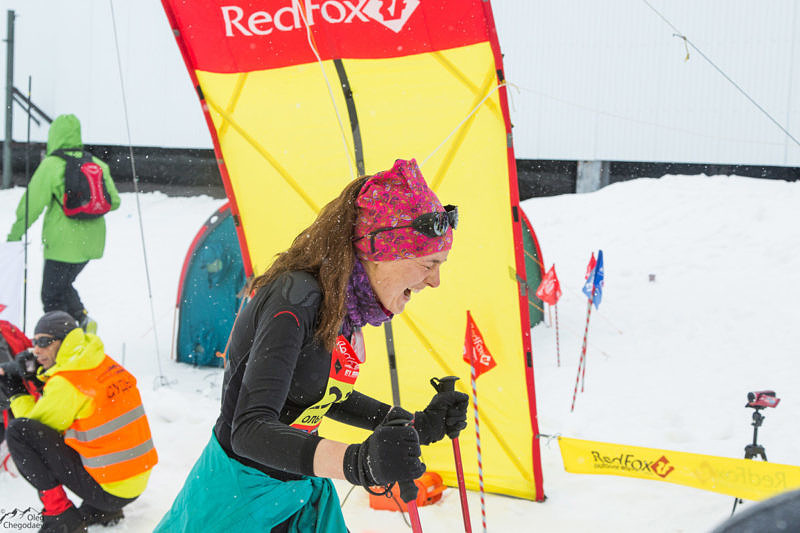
(43, 342)
(429, 224)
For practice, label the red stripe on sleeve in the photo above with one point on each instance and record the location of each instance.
(290, 313)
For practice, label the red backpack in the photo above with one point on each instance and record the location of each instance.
(17, 341)
(85, 193)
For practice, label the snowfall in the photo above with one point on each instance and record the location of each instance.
(701, 305)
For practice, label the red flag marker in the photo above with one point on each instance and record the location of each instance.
(549, 291)
(480, 360)
(590, 267)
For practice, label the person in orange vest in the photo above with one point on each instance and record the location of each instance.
(88, 431)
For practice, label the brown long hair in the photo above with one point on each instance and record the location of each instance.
(325, 250)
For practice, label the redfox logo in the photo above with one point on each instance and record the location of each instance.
(392, 10)
(391, 13)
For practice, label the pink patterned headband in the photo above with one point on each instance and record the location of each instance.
(391, 199)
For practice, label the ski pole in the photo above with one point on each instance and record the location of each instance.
(447, 384)
(408, 493)
(27, 209)
(408, 489)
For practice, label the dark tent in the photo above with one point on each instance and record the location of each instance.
(534, 270)
(211, 279)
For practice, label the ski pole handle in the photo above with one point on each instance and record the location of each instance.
(445, 384)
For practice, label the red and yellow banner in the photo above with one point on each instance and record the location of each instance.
(240, 35)
(300, 97)
(743, 478)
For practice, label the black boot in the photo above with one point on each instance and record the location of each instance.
(68, 521)
(92, 515)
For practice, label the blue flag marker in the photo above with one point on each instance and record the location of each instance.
(593, 288)
(589, 284)
(599, 277)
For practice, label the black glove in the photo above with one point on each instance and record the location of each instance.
(390, 454)
(447, 413)
(11, 380)
(28, 365)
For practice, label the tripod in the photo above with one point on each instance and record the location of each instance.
(755, 449)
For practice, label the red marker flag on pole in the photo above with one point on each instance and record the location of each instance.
(475, 351)
(590, 267)
(549, 290)
(480, 360)
(592, 289)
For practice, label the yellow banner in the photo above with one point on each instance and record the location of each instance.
(743, 478)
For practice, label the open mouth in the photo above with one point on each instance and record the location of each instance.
(407, 293)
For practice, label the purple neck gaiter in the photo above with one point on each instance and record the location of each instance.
(361, 303)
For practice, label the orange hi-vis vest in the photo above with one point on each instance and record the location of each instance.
(114, 442)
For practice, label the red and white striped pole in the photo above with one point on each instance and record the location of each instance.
(585, 335)
(558, 347)
(583, 372)
(582, 361)
(478, 442)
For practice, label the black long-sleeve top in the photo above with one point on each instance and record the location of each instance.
(276, 369)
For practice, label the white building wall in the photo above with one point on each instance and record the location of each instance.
(588, 79)
(68, 50)
(608, 80)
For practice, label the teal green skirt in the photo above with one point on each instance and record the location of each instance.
(221, 494)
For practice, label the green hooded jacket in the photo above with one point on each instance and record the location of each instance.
(65, 239)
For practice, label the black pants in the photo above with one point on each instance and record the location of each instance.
(45, 461)
(58, 294)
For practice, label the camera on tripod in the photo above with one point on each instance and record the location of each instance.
(761, 399)
(757, 400)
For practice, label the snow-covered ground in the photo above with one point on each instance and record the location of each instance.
(669, 362)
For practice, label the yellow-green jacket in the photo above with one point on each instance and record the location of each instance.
(69, 240)
(61, 403)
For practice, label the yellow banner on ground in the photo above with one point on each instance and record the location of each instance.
(743, 478)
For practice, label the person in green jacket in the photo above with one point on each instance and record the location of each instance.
(69, 243)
